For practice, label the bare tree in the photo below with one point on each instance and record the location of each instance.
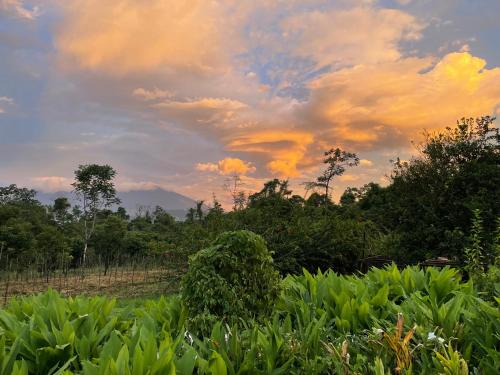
(233, 186)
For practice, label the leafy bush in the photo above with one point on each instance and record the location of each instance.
(233, 278)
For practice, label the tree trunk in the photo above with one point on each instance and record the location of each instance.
(327, 187)
(84, 252)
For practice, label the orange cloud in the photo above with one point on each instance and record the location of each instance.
(285, 148)
(152, 94)
(372, 96)
(227, 166)
(349, 178)
(235, 166)
(374, 106)
(123, 36)
(203, 103)
(365, 163)
(358, 35)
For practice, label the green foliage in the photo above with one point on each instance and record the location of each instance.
(431, 198)
(474, 256)
(336, 161)
(95, 188)
(426, 211)
(233, 278)
(386, 322)
(483, 268)
(108, 239)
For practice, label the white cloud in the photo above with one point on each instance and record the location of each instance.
(207, 167)
(5, 101)
(17, 8)
(52, 183)
(127, 185)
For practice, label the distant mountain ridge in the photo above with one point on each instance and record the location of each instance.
(134, 200)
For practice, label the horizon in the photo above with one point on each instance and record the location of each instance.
(181, 97)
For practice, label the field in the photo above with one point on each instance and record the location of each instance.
(121, 281)
(385, 322)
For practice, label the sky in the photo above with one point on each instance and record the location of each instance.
(184, 94)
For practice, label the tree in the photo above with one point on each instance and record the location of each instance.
(95, 188)
(350, 196)
(432, 197)
(199, 210)
(234, 186)
(60, 211)
(336, 161)
(108, 239)
(13, 194)
(122, 212)
(136, 243)
(52, 249)
(190, 215)
(216, 208)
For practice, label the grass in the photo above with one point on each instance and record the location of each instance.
(124, 283)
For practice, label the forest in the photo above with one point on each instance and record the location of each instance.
(279, 284)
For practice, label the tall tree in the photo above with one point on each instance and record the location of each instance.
(199, 210)
(336, 161)
(95, 188)
(60, 211)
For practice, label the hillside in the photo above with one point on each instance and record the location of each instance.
(134, 200)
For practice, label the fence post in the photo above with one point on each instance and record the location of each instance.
(99, 273)
(7, 284)
(133, 270)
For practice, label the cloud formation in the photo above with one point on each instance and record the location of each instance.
(361, 35)
(130, 36)
(376, 106)
(5, 102)
(16, 8)
(52, 183)
(157, 88)
(227, 166)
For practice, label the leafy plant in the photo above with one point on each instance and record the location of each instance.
(230, 280)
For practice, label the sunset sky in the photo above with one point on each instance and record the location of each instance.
(182, 94)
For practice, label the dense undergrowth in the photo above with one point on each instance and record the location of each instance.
(388, 321)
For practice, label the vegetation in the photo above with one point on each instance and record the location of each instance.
(387, 321)
(272, 286)
(230, 280)
(427, 211)
(94, 187)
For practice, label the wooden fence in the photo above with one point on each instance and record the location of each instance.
(133, 278)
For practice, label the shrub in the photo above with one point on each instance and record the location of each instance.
(233, 278)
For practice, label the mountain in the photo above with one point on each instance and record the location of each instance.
(134, 200)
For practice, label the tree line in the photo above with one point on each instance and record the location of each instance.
(442, 203)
